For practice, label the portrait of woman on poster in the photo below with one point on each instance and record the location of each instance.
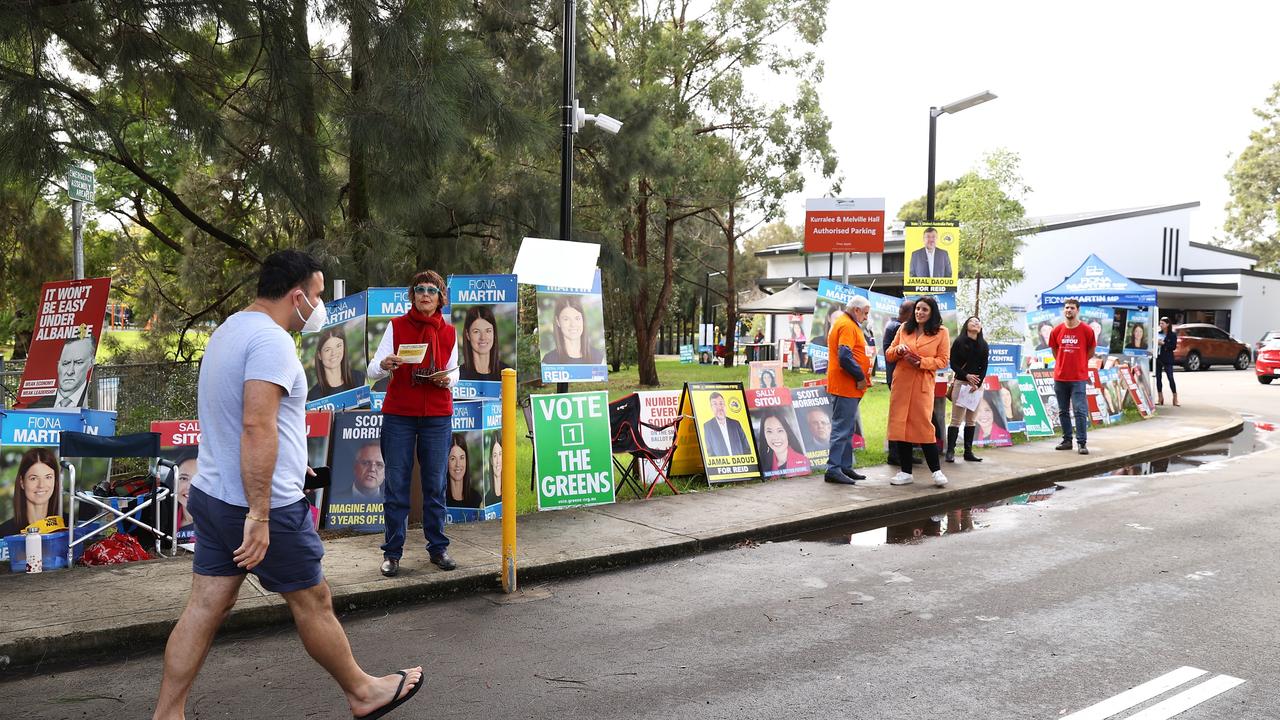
(186, 458)
(1011, 411)
(459, 491)
(1137, 337)
(767, 379)
(480, 356)
(573, 340)
(495, 467)
(36, 490)
(1043, 331)
(781, 450)
(332, 366)
(991, 424)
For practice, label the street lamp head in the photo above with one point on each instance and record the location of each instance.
(967, 103)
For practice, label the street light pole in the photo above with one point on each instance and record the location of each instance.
(933, 155)
(568, 121)
(934, 112)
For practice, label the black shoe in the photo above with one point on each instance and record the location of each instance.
(1084, 450)
(443, 561)
(969, 432)
(852, 474)
(835, 476)
(952, 434)
(1064, 445)
(390, 567)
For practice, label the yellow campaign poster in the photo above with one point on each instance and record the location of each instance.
(724, 431)
(687, 459)
(931, 257)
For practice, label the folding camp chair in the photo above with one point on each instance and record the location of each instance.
(628, 439)
(138, 445)
(527, 407)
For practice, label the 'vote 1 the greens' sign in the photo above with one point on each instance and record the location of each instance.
(574, 457)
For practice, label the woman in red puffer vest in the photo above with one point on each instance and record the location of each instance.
(417, 414)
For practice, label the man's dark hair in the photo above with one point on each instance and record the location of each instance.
(931, 230)
(715, 395)
(283, 271)
(932, 324)
(1071, 301)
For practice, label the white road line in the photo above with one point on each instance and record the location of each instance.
(1188, 699)
(1138, 695)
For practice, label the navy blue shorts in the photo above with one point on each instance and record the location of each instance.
(293, 557)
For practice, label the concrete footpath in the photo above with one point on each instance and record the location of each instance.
(74, 614)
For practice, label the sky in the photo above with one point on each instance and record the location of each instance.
(1110, 105)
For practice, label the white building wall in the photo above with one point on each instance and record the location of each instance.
(1132, 246)
(1258, 308)
(1194, 257)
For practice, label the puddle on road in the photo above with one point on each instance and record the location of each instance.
(911, 529)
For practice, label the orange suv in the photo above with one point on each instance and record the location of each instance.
(1201, 345)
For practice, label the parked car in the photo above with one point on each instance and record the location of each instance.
(1201, 345)
(1268, 365)
(1267, 337)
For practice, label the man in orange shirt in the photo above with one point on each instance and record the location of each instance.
(848, 377)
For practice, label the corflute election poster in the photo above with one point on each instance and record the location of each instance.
(484, 311)
(384, 303)
(573, 453)
(571, 333)
(336, 357)
(63, 346)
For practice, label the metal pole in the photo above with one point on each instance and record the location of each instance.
(568, 121)
(846, 269)
(77, 237)
(509, 480)
(339, 289)
(933, 151)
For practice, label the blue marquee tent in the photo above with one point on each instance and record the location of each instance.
(1097, 283)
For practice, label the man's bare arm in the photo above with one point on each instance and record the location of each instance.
(259, 443)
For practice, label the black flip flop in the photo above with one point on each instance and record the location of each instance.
(397, 701)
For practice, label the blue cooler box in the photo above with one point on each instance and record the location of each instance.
(54, 551)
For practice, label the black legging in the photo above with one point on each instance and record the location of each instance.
(930, 456)
(1162, 367)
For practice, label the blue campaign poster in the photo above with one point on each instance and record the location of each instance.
(384, 303)
(40, 431)
(336, 357)
(571, 333)
(832, 296)
(492, 501)
(484, 311)
(465, 468)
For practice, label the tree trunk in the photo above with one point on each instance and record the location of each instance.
(977, 297)
(357, 167)
(308, 124)
(730, 297)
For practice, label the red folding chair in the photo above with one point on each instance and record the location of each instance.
(648, 467)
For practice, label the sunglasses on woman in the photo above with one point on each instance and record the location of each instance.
(426, 290)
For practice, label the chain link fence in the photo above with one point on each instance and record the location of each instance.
(137, 393)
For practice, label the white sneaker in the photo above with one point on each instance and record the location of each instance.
(939, 480)
(901, 479)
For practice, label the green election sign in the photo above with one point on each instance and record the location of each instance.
(80, 184)
(574, 455)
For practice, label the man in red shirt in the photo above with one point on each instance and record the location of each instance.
(1073, 344)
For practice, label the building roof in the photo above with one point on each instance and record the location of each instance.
(1059, 222)
(1228, 251)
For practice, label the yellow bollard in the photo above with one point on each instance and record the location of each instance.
(509, 480)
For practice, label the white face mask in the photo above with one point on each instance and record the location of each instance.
(316, 321)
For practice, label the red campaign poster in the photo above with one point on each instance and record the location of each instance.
(180, 444)
(69, 318)
(778, 439)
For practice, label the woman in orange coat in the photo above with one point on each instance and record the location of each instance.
(921, 347)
